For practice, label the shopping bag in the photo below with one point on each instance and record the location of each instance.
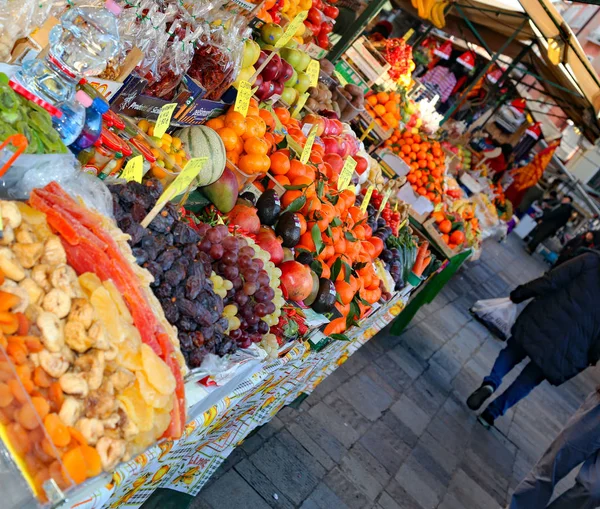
(498, 315)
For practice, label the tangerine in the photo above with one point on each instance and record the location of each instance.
(229, 137)
(280, 163)
(255, 145)
(236, 121)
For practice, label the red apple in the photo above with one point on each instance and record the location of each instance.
(323, 40)
(286, 71)
(326, 27)
(272, 69)
(361, 164)
(315, 120)
(317, 4)
(277, 87)
(334, 160)
(263, 90)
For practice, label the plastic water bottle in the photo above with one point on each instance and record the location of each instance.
(80, 45)
(70, 124)
(92, 127)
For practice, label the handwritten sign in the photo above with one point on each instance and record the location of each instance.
(313, 72)
(308, 145)
(291, 29)
(346, 174)
(134, 169)
(164, 119)
(367, 198)
(300, 104)
(242, 102)
(184, 179)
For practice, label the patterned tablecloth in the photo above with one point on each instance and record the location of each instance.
(186, 464)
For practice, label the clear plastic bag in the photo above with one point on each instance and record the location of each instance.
(498, 315)
(29, 172)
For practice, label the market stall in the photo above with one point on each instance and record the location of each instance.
(202, 217)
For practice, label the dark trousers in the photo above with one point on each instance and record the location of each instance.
(528, 379)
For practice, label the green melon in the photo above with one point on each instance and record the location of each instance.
(202, 141)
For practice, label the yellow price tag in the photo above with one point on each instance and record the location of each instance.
(402, 224)
(164, 119)
(396, 207)
(308, 145)
(346, 174)
(242, 102)
(291, 29)
(367, 198)
(300, 104)
(134, 169)
(184, 179)
(408, 34)
(313, 72)
(386, 197)
(220, 220)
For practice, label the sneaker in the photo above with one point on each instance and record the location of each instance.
(477, 399)
(486, 419)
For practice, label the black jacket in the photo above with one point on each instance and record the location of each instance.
(556, 218)
(560, 328)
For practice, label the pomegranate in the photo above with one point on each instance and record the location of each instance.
(245, 217)
(296, 280)
(271, 244)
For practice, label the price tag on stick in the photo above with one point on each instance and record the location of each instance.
(300, 104)
(242, 101)
(346, 174)
(386, 197)
(308, 145)
(164, 119)
(313, 72)
(134, 169)
(367, 198)
(291, 29)
(178, 186)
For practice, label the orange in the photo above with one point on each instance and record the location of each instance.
(229, 137)
(422, 163)
(328, 210)
(372, 100)
(416, 138)
(288, 197)
(406, 149)
(345, 291)
(421, 155)
(281, 179)
(267, 118)
(280, 163)
(283, 115)
(302, 222)
(233, 156)
(312, 204)
(306, 182)
(422, 191)
(254, 163)
(297, 169)
(256, 146)
(380, 110)
(391, 106)
(235, 121)
(253, 128)
(216, 123)
(383, 97)
(306, 239)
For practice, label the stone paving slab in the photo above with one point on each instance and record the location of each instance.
(390, 429)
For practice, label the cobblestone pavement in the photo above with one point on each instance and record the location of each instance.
(390, 430)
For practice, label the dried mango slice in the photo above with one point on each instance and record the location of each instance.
(151, 395)
(158, 373)
(129, 358)
(161, 422)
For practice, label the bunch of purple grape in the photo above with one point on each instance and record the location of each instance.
(250, 296)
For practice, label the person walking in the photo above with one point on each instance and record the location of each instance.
(559, 331)
(577, 443)
(550, 223)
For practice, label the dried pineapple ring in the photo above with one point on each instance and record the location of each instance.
(158, 373)
(118, 300)
(129, 358)
(136, 408)
(151, 395)
(89, 283)
(108, 313)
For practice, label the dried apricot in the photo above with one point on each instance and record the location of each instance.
(74, 465)
(6, 396)
(57, 430)
(18, 438)
(18, 391)
(41, 406)
(33, 344)
(8, 300)
(56, 396)
(41, 378)
(23, 324)
(16, 349)
(9, 323)
(27, 417)
(92, 460)
(56, 473)
(77, 436)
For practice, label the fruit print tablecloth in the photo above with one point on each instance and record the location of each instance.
(186, 464)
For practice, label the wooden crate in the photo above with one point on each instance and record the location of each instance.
(436, 237)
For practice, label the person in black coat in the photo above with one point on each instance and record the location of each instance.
(573, 248)
(550, 223)
(559, 331)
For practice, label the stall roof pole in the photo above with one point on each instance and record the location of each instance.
(556, 85)
(489, 63)
(371, 10)
(493, 11)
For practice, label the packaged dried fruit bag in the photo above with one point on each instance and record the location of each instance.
(175, 61)
(218, 54)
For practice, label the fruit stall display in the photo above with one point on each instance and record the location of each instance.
(222, 249)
